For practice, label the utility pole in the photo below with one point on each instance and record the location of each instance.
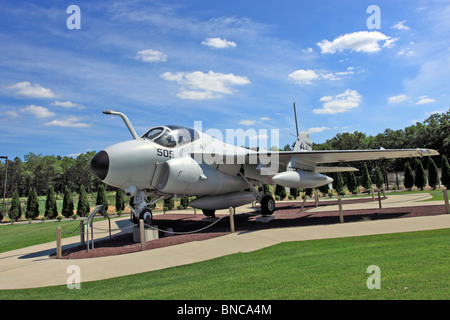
(4, 188)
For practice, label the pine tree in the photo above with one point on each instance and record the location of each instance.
(366, 180)
(32, 204)
(15, 211)
(445, 172)
(120, 201)
(338, 182)
(51, 209)
(293, 192)
(67, 210)
(409, 176)
(83, 208)
(280, 191)
(420, 180)
(433, 174)
(352, 183)
(101, 198)
(379, 181)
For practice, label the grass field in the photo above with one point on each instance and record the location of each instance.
(413, 265)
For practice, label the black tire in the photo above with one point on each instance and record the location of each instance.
(267, 205)
(147, 216)
(209, 213)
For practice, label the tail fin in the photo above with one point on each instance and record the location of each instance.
(303, 142)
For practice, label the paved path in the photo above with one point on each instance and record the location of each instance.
(31, 267)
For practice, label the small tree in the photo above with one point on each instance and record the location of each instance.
(420, 180)
(101, 198)
(338, 182)
(32, 204)
(120, 200)
(15, 211)
(51, 209)
(352, 183)
(294, 192)
(366, 180)
(433, 174)
(169, 203)
(445, 172)
(280, 191)
(409, 176)
(379, 180)
(83, 208)
(67, 210)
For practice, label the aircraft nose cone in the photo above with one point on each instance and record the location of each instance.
(100, 164)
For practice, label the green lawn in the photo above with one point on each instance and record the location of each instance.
(413, 265)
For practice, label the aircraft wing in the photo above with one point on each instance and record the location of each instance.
(309, 160)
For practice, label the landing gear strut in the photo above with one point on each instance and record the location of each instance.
(267, 202)
(142, 208)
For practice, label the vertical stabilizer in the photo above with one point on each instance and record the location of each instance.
(303, 141)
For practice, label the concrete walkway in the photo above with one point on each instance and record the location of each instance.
(31, 267)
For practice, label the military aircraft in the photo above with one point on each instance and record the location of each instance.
(175, 161)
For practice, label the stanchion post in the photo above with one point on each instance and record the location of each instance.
(447, 205)
(341, 215)
(82, 233)
(379, 199)
(58, 242)
(231, 210)
(142, 234)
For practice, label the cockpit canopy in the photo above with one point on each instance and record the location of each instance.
(171, 136)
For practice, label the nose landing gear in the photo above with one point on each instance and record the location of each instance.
(142, 208)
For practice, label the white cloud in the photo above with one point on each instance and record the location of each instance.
(303, 76)
(71, 122)
(317, 129)
(362, 41)
(218, 43)
(307, 76)
(397, 99)
(259, 137)
(247, 122)
(198, 85)
(343, 102)
(151, 55)
(27, 90)
(38, 111)
(11, 114)
(309, 50)
(264, 118)
(400, 26)
(67, 104)
(425, 100)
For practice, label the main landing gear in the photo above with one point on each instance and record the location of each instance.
(266, 200)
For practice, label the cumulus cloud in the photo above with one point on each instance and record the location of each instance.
(199, 86)
(27, 90)
(218, 43)
(343, 102)
(70, 121)
(151, 55)
(397, 99)
(38, 111)
(362, 41)
(317, 129)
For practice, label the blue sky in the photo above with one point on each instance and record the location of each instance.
(230, 64)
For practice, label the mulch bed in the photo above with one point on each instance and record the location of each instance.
(286, 215)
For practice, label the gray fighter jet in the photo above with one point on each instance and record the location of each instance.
(176, 161)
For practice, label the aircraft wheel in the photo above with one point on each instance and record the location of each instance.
(209, 213)
(147, 216)
(267, 205)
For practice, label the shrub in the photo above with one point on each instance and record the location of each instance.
(280, 191)
(67, 210)
(51, 210)
(15, 211)
(32, 205)
(83, 208)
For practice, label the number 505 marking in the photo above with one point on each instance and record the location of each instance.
(164, 153)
